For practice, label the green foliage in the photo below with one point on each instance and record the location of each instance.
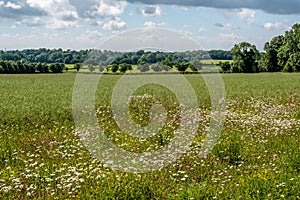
(125, 67)
(270, 59)
(91, 68)
(114, 68)
(294, 61)
(77, 66)
(288, 68)
(225, 66)
(196, 65)
(246, 56)
(157, 67)
(57, 68)
(143, 67)
(101, 68)
(182, 67)
(290, 46)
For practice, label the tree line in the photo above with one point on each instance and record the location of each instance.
(19, 67)
(93, 56)
(282, 54)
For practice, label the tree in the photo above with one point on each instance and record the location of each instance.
(294, 61)
(225, 66)
(291, 46)
(56, 68)
(124, 67)
(246, 56)
(101, 68)
(40, 67)
(157, 67)
(183, 66)
(270, 58)
(77, 66)
(288, 68)
(144, 67)
(45, 68)
(196, 65)
(91, 68)
(114, 68)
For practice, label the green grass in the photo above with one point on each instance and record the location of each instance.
(256, 158)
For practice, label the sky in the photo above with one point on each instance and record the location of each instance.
(105, 24)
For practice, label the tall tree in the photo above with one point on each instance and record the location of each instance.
(270, 59)
(245, 56)
(291, 45)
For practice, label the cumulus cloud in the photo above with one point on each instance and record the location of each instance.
(151, 11)
(276, 25)
(109, 8)
(246, 14)
(62, 14)
(231, 37)
(114, 25)
(10, 5)
(274, 6)
(153, 24)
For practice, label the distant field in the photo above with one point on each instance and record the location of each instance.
(135, 70)
(258, 156)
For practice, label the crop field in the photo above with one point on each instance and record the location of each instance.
(257, 156)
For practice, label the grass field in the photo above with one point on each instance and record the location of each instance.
(258, 156)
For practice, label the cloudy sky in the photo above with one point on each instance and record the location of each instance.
(83, 24)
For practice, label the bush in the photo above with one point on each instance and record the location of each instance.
(225, 66)
(143, 67)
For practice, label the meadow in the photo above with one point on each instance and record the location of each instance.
(257, 157)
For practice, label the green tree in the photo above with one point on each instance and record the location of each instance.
(144, 67)
(91, 68)
(246, 56)
(196, 65)
(157, 67)
(294, 61)
(183, 66)
(125, 67)
(101, 68)
(56, 68)
(225, 66)
(77, 66)
(39, 67)
(270, 58)
(114, 68)
(291, 46)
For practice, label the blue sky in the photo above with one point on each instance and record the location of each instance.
(83, 24)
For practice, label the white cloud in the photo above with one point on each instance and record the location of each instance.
(152, 11)
(114, 24)
(91, 35)
(201, 30)
(10, 5)
(153, 24)
(60, 13)
(230, 36)
(245, 14)
(110, 8)
(276, 25)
